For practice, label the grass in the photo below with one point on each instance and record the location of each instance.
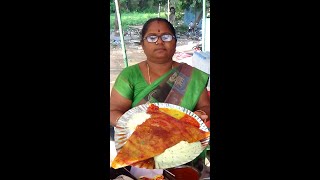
(133, 19)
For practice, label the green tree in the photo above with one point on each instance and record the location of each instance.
(123, 3)
(148, 5)
(195, 6)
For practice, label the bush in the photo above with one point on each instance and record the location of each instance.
(150, 10)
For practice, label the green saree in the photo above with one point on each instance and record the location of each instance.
(182, 86)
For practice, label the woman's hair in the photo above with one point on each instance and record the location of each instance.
(146, 26)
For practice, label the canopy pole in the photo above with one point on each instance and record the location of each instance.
(121, 35)
(204, 19)
(168, 10)
(159, 9)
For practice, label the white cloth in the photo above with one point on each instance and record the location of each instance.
(149, 173)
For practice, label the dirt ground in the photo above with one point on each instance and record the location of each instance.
(135, 53)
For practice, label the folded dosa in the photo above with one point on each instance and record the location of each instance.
(154, 136)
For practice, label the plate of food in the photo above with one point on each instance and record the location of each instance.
(159, 136)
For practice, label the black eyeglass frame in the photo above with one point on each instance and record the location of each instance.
(161, 36)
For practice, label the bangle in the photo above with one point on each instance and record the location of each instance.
(202, 112)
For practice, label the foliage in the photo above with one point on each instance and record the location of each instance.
(194, 4)
(152, 5)
(150, 9)
(113, 5)
(134, 12)
(133, 19)
(133, 5)
(149, 6)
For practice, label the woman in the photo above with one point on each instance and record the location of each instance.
(172, 16)
(159, 78)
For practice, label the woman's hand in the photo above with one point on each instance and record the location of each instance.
(203, 108)
(203, 116)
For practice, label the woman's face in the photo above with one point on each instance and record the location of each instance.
(160, 51)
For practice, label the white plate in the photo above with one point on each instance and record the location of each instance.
(122, 131)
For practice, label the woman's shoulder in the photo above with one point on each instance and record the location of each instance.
(194, 69)
(132, 70)
(131, 67)
(186, 65)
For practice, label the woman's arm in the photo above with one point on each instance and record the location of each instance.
(118, 106)
(202, 108)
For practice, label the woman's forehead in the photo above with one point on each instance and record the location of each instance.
(158, 27)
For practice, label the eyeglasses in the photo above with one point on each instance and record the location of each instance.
(164, 38)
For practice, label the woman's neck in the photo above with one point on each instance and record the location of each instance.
(160, 68)
(155, 70)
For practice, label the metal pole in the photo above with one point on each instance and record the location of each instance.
(121, 35)
(168, 9)
(204, 19)
(159, 9)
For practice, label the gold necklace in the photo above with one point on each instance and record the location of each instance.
(149, 72)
